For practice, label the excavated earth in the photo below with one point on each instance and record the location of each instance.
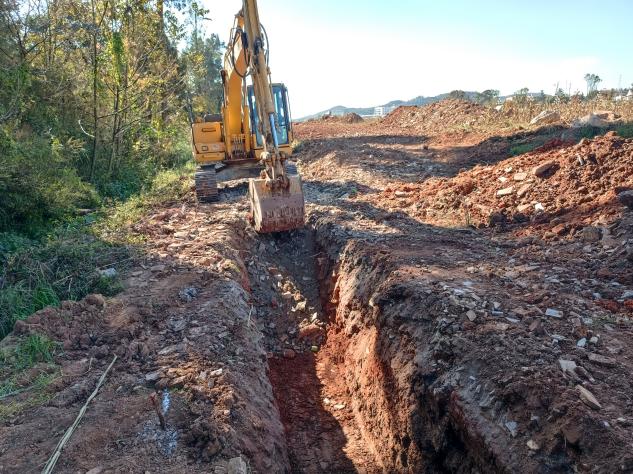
(400, 331)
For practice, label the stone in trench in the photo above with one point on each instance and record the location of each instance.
(602, 360)
(152, 376)
(553, 313)
(533, 445)
(626, 198)
(588, 398)
(289, 354)
(512, 427)
(591, 234)
(237, 466)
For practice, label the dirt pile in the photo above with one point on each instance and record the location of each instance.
(561, 185)
(351, 117)
(448, 114)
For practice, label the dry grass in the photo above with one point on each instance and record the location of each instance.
(522, 113)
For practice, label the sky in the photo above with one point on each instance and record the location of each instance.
(366, 53)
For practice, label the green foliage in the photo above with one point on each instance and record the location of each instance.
(522, 148)
(625, 130)
(488, 97)
(33, 349)
(37, 186)
(62, 266)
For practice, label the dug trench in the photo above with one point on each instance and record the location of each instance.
(370, 341)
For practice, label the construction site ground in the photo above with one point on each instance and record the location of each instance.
(448, 307)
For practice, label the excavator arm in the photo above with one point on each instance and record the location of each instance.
(276, 198)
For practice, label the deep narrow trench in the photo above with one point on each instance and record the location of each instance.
(322, 435)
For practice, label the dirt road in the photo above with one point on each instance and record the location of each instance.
(379, 339)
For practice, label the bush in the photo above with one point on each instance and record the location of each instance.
(626, 130)
(37, 186)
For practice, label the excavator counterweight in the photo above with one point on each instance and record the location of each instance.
(253, 134)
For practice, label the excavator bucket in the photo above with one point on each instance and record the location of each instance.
(276, 210)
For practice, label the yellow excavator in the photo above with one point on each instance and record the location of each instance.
(253, 134)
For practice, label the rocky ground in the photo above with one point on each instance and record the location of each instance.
(425, 320)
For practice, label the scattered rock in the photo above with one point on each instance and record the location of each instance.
(591, 234)
(591, 120)
(108, 273)
(602, 360)
(152, 376)
(188, 294)
(541, 170)
(289, 354)
(588, 398)
(471, 315)
(553, 313)
(237, 466)
(533, 445)
(572, 433)
(505, 192)
(546, 117)
(512, 427)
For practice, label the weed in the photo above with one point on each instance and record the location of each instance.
(626, 130)
(33, 349)
(523, 148)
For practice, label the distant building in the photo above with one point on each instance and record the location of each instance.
(382, 110)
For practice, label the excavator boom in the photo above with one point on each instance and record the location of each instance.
(255, 128)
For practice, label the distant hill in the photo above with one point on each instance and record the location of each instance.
(342, 110)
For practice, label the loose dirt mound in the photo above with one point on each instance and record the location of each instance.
(347, 118)
(443, 115)
(556, 180)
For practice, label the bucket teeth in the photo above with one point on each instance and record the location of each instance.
(278, 210)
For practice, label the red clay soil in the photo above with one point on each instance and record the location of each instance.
(573, 184)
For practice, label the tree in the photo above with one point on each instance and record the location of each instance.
(521, 96)
(592, 81)
(488, 97)
(457, 94)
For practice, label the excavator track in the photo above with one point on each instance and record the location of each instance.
(206, 184)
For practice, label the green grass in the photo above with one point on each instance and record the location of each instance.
(626, 130)
(64, 264)
(20, 390)
(168, 186)
(523, 148)
(29, 351)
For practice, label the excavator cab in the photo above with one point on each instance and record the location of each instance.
(282, 110)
